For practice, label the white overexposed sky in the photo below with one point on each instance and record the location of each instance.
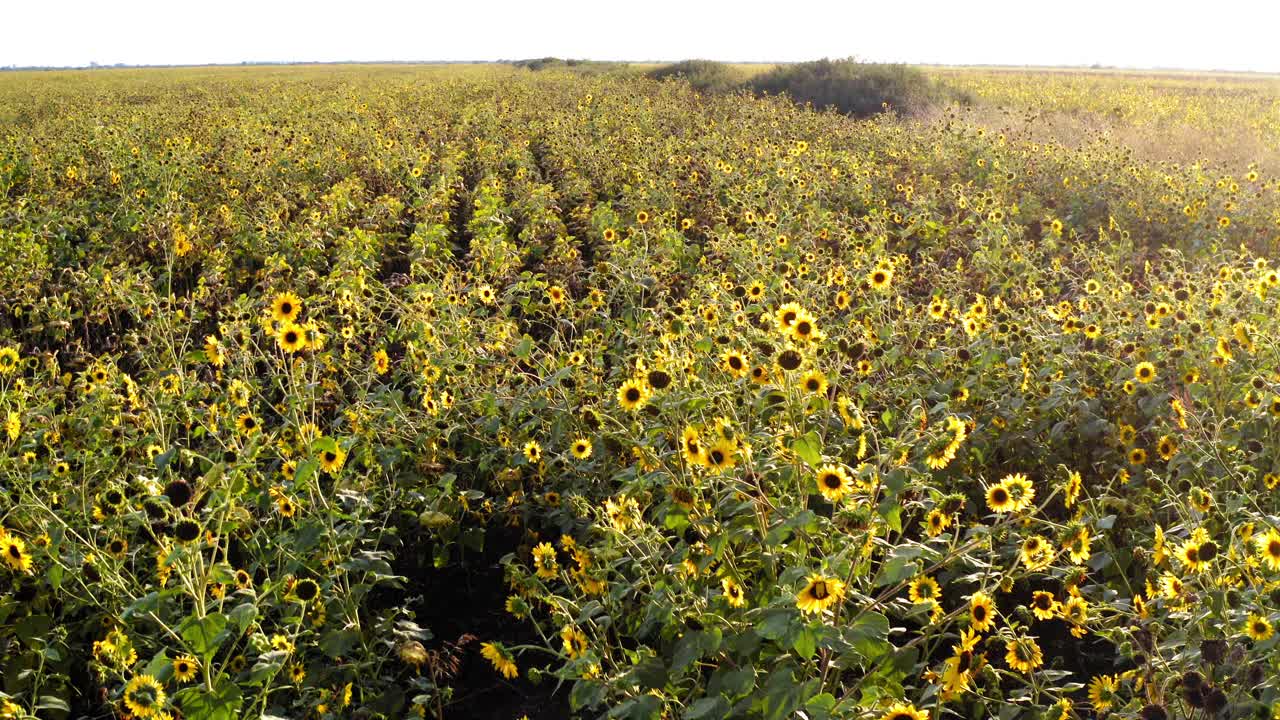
(1227, 34)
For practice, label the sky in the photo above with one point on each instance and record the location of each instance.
(1222, 35)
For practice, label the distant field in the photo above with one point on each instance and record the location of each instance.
(396, 391)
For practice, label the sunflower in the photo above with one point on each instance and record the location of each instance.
(880, 278)
(306, 590)
(981, 611)
(1075, 611)
(633, 394)
(733, 593)
(833, 482)
(1043, 605)
(117, 547)
(575, 641)
(186, 530)
(285, 307)
(1072, 491)
(501, 660)
(247, 424)
(1102, 692)
(814, 382)
(1023, 654)
(286, 507)
(581, 448)
(722, 455)
(291, 338)
(144, 696)
(804, 329)
(904, 711)
(332, 458)
(786, 316)
(15, 553)
(1145, 372)
(998, 499)
(533, 451)
(1258, 628)
(1191, 554)
(185, 668)
(1167, 447)
(1077, 545)
(8, 360)
(381, 362)
(691, 446)
(924, 589)
(1020, 490)
(820, 592)
(1036, 553)
(544, 560)
(1268, 548)
(734, 363)
(936, 522)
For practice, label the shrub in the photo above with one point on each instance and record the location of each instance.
(706, 76)
(855, 88)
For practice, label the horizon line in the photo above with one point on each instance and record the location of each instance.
(286, 63)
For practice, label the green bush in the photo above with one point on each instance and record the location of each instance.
(851, 87)
(706, 76)
(585, 67)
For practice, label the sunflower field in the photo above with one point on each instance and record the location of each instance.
(400, 392)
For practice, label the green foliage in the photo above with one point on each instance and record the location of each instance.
(706, 76)
(851, 87)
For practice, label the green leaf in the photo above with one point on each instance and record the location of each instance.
(808, 448)
(708, 707)
(204, 636)
(51, 702)
(305, 471)
(775, 623)
(223, 703)
(900, 566)
(267, 666)
(338, 643)
(33, 627)
(819, 707)
(869, 635)
(243, 616)
(805, 643)
(586, 693)
(524, 347)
